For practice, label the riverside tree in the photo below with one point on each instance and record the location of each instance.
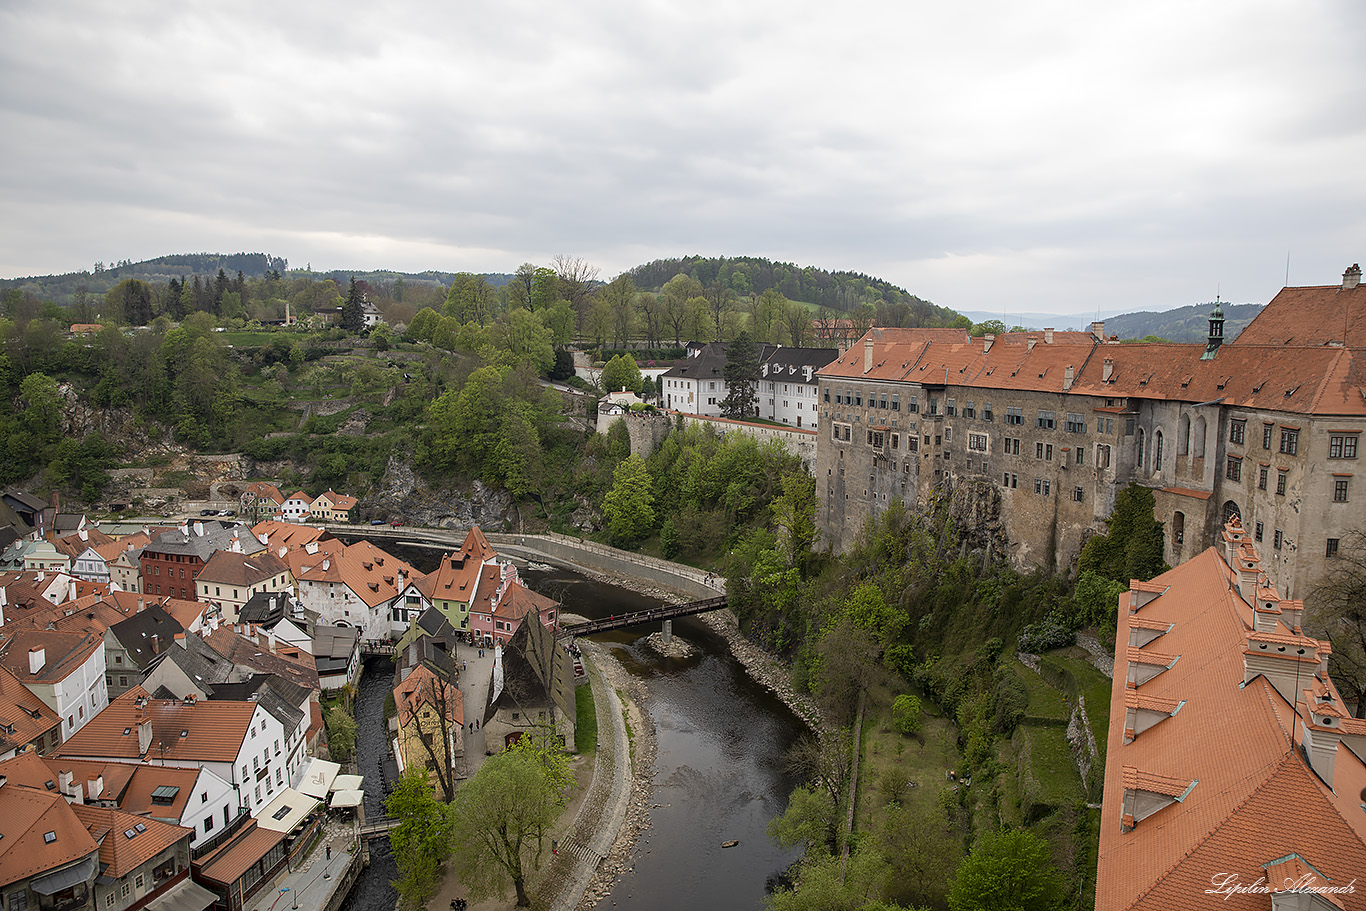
(629, 505)
(501, 816)
(421, 840)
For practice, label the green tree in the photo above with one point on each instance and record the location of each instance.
(1007, 870)
(676, 309)
(353, 311)
(1132, 547)
(502, 814)
(42, 406)
(341, 733)
(523, 339)
(811, 821)
(622, 372)
(906, 713)
(741, 373)
(629, 505)
(421, 841)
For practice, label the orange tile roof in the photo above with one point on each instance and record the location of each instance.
(225, 567)
(25, 713)
(228, 862)
(1254, 798)
(1310, 316)
(120, 853)
(289, 534)
(137, 797)
(26, 816)
(419, 688)
(373, 575)
(214, 730)
(115, 774)
(518, 601)
(64, 652)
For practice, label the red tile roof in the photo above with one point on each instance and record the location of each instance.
(1310, 316)
(27, 815)
(63, 653)
(1244, 794)
(228, 862)
(214, 730)
(28, 715)
(121, 853)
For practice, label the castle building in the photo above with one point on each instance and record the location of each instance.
(1032, 434)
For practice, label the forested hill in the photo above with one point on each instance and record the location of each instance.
(842, 291)
(1184, 324)
(70, 287)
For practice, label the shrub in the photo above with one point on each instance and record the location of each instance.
(1049, 633)
(906, 714)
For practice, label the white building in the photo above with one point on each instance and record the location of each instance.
(64, 670)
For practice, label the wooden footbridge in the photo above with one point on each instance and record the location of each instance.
(653, 615)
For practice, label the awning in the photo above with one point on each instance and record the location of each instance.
(347, 799)
(65, 878)
(188, 895)
(347, 783)
(316, 779)
(286, 811)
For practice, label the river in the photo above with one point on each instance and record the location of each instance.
(719, 774)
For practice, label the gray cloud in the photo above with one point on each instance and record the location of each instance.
(1041, 156)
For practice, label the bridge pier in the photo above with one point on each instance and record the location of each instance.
(668, 631)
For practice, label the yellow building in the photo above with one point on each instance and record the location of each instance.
(431, 718)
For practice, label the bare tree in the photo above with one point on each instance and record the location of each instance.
(432, 696)
(1338, 608)
(576, 278)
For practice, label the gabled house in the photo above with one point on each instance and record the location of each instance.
(47, 858)
(334, 507)
(26, 722)
(431, 722)
(241, 742)
(141, 860)
(356, 586)
(260, 501)
(228, 580)
(296, 506)
(171, 563)
(64, 670)
(132, 644)
(532, 687)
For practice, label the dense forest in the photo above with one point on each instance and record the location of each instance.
(835, 291)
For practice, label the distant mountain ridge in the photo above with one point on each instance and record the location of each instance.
(1181, 324)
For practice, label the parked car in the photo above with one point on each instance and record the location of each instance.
(206, 512)
(396, 523)
(376, 521)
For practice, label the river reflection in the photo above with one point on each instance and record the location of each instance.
(719, 768)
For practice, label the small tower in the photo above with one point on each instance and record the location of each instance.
(1216, 332)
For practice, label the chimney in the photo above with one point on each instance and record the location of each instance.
(1033, 340)
(199, 529)
(66, 784)
(1107, 370)
(94, 787)
(270, 638)
(1098, 331)
(83, 535)
(868, 354)
(156, 644)
(263, 538)
(1352, 277)
(311, 548)
(144, 736)
(180, 640)
(37, 659)
(1048, 336)
(140, 605)
(327, 564)
(986, 342)
(1067, 376)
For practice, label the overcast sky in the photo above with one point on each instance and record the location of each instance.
(993, 155)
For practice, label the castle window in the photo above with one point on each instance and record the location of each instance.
(1332, 549)
(1014, 415)
(1281, 474)
(1076, 423)
(1234, 470)
(1045, 420)
(1042, 487)
(986, 412)
(1266, 435)
(1342, 446)
(1236, 431)
(1290, 441)
(1261, 477)
(1340, 490)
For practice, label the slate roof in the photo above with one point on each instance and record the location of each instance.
(200, 663)
(216, 536)
(257, 656)
(333, 646)
(535, 672)
(145, 635)
(276, 695)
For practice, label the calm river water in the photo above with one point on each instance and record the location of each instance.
(719, 767)
(719, 773)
